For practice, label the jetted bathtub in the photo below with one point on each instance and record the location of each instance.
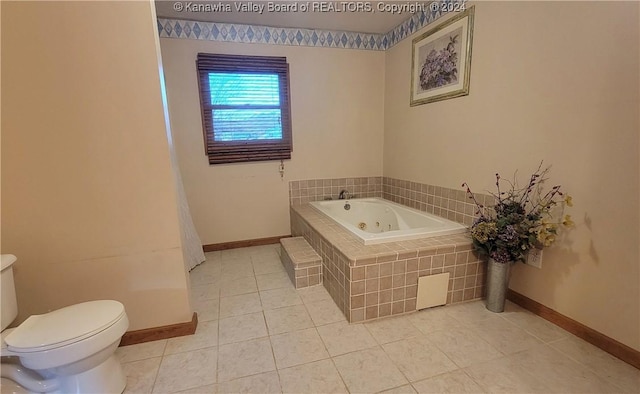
(376, 221)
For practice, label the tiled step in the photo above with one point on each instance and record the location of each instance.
(301, 262)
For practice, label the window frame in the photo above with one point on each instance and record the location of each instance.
(223, 152)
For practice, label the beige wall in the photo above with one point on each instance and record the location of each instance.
(337, 110)
(88, 198)
(549, 81)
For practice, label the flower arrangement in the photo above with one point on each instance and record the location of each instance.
(521, 219)
(440, 67)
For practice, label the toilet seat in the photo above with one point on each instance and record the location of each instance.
(64, 326)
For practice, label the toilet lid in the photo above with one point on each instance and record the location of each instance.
(64, 326)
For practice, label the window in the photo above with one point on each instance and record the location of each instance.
(245, 107)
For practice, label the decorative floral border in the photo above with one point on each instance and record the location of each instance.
(251, 34)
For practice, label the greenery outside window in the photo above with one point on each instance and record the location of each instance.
(245, 103)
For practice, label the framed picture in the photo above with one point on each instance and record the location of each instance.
(441, 60)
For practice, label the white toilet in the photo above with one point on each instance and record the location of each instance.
(69, 350)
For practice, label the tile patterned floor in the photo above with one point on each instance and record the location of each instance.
(257, 334)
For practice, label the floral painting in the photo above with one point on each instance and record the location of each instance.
(440, 64)
(441, 60)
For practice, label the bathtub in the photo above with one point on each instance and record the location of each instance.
(376, 221)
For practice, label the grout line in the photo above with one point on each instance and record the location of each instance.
(273, 356)
(247, 376)
(155, 379)
(339, 374)
(278, 373)
(218, 338)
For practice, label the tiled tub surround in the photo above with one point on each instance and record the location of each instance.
(302, 192)
(368, 282)
(452, 204)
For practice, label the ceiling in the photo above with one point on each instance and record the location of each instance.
(336, 15)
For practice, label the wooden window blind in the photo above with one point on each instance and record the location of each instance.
(245, 101)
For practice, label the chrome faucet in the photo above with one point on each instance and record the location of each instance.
(344, 194)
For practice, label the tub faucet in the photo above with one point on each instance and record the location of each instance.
(344, 194)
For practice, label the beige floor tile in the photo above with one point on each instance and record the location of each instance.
(240, 305)
(203, 278)
(141, 375)
(268, 254)
(264, 250)
(392, 329)
(207, 310)
(212, 256)
(238, 286)
(242, 328)
(463, 346)
(406, 389)
(141, 351)
(602, 363)
(560, 373)
(235, 269)
(298, 347)
(234, 257)
(502, 375)
(462, 332)
(205, 271)
(504, 335)
(210, 266)
(205, 292)
(316, 377)
(451, 382)
(289, 318)
(325, 312)
(208, 389)
(431, 320)
(417, 358)
(267, 265)
(276, 280)
(511, 307)
(246, 358)
(242, 254)
(186, 370)
(265, 383)
(534, 325)
(314, 294)
(368, 371)
(206, 335)
(278, 298)
(469, 312)
(342, 337)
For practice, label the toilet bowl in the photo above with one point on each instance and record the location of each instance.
(69, 350)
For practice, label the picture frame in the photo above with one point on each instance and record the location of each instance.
(441, 60)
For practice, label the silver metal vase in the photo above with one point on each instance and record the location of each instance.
(497, 285)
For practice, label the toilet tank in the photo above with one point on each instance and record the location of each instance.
(8, 302)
